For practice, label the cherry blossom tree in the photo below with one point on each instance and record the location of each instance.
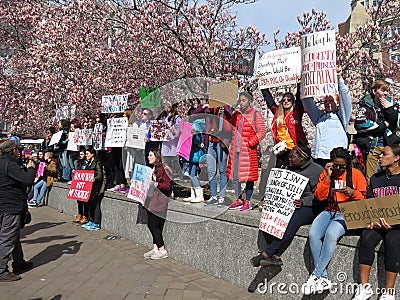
(73, 52)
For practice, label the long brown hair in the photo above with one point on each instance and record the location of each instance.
(158, 162)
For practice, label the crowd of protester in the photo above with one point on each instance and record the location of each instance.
(226, 142)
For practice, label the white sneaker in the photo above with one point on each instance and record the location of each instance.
(310, 287)
(114, 188)
(387, 297)
(323, 284)
(159, 254)
(362, 294)
(150, 253)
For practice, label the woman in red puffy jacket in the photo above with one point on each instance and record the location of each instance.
(249, 130)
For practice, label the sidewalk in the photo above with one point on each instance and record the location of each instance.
(72, 263)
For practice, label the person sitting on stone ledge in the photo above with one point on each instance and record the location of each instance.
(307, 207)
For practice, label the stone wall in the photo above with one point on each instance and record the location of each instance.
(221, 243)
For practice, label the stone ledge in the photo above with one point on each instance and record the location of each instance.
(222, 243)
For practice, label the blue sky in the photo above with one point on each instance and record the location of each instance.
(268, 15)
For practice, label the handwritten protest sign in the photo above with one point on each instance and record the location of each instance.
(140, 183)
(98, 136)
(283, 186)
(116, 132)
(114, 103)
(280, 67)
(83, 137)
(224, 93)
(318, 59)
(239, 61)
(159, 130)
(72, 145)
(135, 136)
(55, 138)
(81, 185)
(40, 170)
(150, 97)
(359, 214)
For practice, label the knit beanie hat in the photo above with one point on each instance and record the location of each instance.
(8, 146)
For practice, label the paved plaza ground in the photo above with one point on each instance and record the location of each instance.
(72, 263)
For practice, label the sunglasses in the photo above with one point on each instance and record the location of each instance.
(339, 167)
(286, 99)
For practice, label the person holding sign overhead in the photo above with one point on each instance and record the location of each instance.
(286, 127)
(338, 183)
(97, 192)
(249, 130)
(331, 123)
(384, 183)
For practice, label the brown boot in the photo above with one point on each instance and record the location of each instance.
(78, 219)
(83, 220)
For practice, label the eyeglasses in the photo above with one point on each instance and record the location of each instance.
(339, 167)
(286, 99)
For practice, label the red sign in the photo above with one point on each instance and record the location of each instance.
(81, 185)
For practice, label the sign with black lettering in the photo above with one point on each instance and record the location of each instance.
(359, 214)
(283, 186)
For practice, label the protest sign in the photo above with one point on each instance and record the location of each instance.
(224, 93)
(318, 60)
(72, 145)
(239, 61)
(55, 138)
(135, 136)
(98, 136)
(40, 170)
(140, 183)
(114, 103)
(81, 185)
(150, 97)
(280, 67)
(185, 140)
(159, 130)
(283, 186)
(83, 137)
(116, 132)
(359, 214)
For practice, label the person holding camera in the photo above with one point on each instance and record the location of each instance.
(286, 125)
(13, 182)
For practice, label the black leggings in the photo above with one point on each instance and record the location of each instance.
(156, 226)
(94, 209)
(83, 208)
(391, 239)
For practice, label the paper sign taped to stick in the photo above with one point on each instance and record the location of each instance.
(81, 185)
(278, 68)
(224, 93)
(359, 214)
(318, 60)
(283, 186)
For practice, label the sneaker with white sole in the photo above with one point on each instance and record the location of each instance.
(310, 287)
(363, 293)
(148, 254)
(159, 254)
(323, 284)
(212, 201)
(387, 297)
(221, 201)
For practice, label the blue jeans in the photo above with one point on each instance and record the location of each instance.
(217, 156)
(249, 185)
(193, 174)
(66, 170)
(72, 159)
(329, 227)
(39, 190)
